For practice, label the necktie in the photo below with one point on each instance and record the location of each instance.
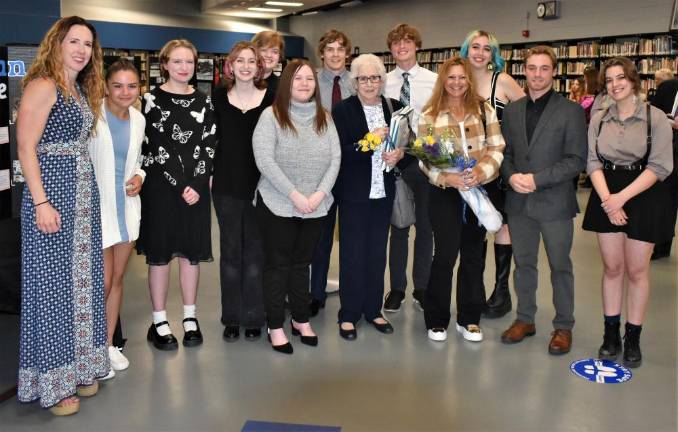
(336, 91)
(405, 90)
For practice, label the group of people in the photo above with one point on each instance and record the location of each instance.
(278, 157)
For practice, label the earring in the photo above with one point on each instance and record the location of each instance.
(490, 66)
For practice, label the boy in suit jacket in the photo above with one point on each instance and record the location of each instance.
(546, 148)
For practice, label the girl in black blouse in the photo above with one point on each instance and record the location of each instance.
(175, 201)
(237, 106)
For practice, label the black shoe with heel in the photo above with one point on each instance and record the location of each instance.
(163, 343)
(284, 348)
(306, 340)
(499, 303)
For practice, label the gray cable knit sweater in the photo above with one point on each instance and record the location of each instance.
(304, 161)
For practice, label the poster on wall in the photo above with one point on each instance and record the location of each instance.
(5, 160)
(19, 59)
(205, 70)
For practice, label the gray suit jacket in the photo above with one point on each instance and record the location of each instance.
(556, 154)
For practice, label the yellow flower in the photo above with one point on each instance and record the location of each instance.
(417, 143)
(430, 140)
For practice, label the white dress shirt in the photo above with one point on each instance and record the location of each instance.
(326, 84)
(421, 81)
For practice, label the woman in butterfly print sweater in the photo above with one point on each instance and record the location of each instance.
(175, 200)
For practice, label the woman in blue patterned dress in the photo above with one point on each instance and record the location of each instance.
(63, 325)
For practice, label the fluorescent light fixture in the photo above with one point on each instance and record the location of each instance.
(284, 3)
(351, 3)
(310, 13)
(261, 9)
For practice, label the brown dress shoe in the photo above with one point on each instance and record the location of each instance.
(561, 342)
(518, 331)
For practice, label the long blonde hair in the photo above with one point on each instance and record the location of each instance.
(49, 64)
(439, 97)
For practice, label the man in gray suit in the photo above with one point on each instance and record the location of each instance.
(546, 148)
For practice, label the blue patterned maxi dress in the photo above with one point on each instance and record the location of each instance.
(63, 322)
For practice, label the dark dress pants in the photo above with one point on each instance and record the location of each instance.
(557, 235)
(241, 262)
(454, 237)
(423, 242)
(321, 259)
(363, 235)
(289, 244)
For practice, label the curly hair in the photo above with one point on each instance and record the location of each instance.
(49, 64)
(229, 78)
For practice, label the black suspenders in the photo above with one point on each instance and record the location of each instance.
(637, 165)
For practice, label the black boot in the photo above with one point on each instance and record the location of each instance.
(611, 346)
(632, 355)
(499, 303)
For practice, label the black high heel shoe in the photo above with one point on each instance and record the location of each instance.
(306, 340)
(284, 348)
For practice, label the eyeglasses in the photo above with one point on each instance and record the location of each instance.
(374, 79)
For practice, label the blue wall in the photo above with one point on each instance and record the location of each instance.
(27, 21)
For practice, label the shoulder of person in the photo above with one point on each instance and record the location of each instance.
(657, 116)
(427, 73)
(136, 115)
(42, 89)
(219, 91)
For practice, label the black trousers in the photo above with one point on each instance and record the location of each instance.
(321, 259)
(454, 237)
(241, 262)
(423, 242)
(363, 236)
(289, 244)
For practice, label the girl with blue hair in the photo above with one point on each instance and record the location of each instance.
(498, 88)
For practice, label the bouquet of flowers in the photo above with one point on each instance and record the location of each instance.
(439, 152)
(370, 142)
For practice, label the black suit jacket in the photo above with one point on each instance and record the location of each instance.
(355, 175)
(663, 99)
(555, 155)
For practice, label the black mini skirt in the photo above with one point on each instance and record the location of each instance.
(649, 215)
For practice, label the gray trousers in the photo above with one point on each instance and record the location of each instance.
(557, 235)
(423, 242)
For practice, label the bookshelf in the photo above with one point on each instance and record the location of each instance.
(650, 52)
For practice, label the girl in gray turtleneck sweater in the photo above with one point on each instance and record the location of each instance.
(297, 150)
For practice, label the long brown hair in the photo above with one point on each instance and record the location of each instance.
(283, 98)
(439, 97)
(229, 78)
(49, 64)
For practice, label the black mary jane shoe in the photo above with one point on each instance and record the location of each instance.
(163, 343)
(385, 328)
(284, 348)
(231, 333)
(192, 337)
(306, 340)
(348, 334)
(252, 333)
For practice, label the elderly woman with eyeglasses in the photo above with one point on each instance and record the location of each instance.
(364, 193)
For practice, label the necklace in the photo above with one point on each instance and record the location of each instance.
(240, 102)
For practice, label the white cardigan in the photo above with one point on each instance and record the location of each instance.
(103, 159)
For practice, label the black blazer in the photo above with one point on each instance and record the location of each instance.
(555, 155)
(355, 175)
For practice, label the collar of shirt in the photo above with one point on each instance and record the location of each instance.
(639, 113)
(541, 101)
(329, 75)
(413, 71)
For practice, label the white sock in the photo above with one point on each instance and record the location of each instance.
(189, 312)
(159, 317)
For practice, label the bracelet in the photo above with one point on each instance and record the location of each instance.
(39, 204)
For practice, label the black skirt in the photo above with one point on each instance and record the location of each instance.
(648, 215)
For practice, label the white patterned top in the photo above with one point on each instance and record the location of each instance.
(374, 114)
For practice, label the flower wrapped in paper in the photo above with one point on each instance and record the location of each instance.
(438, 152)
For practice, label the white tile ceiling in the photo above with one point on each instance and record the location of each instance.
(239, 8)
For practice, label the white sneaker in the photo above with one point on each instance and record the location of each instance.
(437, 334)
(111, 374)
(471, 332)
(118, 360)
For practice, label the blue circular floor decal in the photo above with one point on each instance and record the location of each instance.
(601, 371)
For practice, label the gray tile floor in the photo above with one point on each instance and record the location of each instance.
(381, 383)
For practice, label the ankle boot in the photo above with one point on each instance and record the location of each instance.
(611, 346)
(499, 303)
(632, 355)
